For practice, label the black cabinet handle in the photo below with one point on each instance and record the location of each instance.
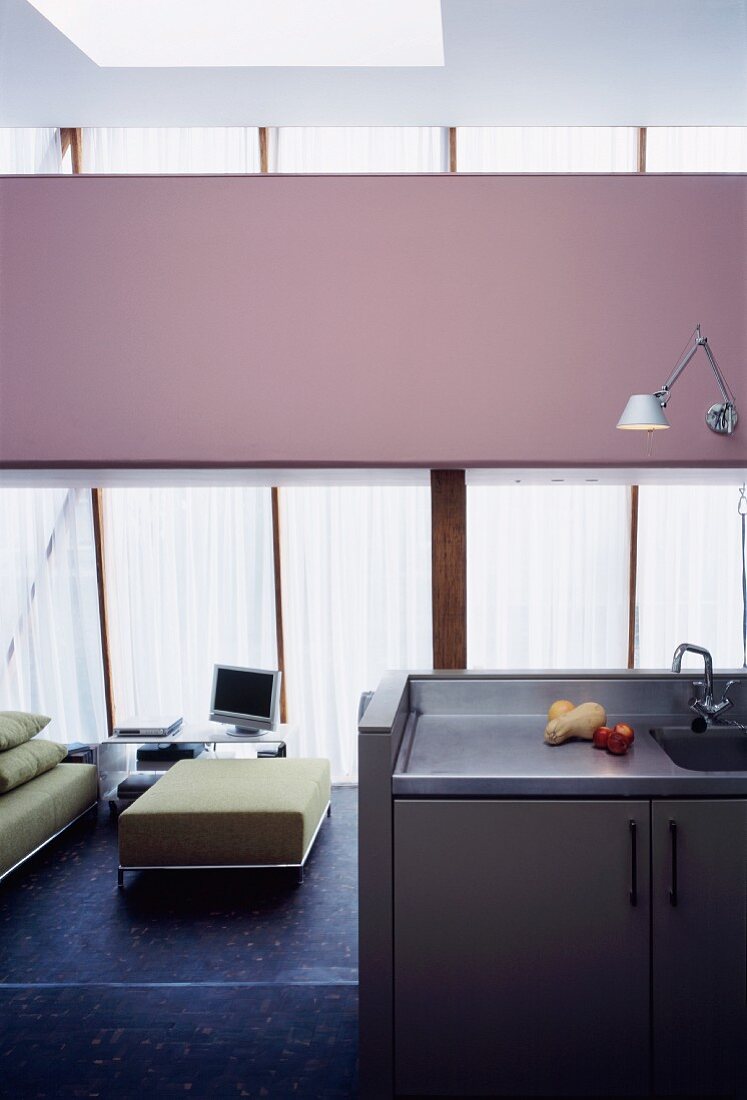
(673, 841)
(633, 863)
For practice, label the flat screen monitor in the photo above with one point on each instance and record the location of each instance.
(246, 698)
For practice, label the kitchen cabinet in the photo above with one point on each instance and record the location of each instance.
(521, 947)
(499, 950)
(699, 949)
(570, 948)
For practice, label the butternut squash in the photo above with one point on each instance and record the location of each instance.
(579, 722)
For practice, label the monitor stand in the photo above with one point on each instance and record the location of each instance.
(247, 733)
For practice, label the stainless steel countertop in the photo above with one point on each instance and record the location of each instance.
(444, 755)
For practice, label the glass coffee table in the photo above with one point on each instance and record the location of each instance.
(123, 777)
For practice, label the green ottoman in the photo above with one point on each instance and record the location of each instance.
(227, 813)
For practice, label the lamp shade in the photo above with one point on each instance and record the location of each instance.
(643, 413)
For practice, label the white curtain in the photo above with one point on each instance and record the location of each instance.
(547, 576)
(356, 566)
(359, 149)
(165, 150)
(30, 150)
(689, 574)
(547, 148)
(696, 149)
(189, 583)
(356, 560)
(50, 645)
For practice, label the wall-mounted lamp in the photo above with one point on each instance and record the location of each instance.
(645, 411)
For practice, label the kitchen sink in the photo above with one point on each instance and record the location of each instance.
(718, 749)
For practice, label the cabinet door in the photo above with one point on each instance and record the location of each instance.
(521, 963)
(700, 936)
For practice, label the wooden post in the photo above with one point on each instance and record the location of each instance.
(264, 167)
(452, 148)
(264, 162)
(97, 505)
(633, 569)
(278, 598)
(72, 138)
(641, 163)
(449, 568)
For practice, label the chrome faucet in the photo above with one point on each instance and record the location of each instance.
(705, 706)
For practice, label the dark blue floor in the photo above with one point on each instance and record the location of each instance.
(201, 983)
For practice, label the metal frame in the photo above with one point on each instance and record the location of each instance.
(44, 843)
(226, 866)
(722, 418)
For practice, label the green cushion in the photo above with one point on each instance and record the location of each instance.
(31, 814)
(222, 812)
(16, 727)
(25, 762)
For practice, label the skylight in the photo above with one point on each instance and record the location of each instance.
(169, 33)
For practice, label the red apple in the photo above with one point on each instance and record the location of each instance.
(625, 731)
(617, 744)
(600, 737)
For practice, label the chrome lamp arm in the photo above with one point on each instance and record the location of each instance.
(720, 418)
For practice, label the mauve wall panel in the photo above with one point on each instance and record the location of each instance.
(464, 320)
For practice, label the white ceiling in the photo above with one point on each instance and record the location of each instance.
(251, 32)
(507, 62)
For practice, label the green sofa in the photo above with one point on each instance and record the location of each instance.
(35, 812)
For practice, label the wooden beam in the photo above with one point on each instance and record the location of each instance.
(71, 137)
(278, 598)
(97, 504)
(633, 567)
(264, 167)
(264, 161)
(449, 568)
(452, 148)
(632, 574)
(642, 139)
(77, 152)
